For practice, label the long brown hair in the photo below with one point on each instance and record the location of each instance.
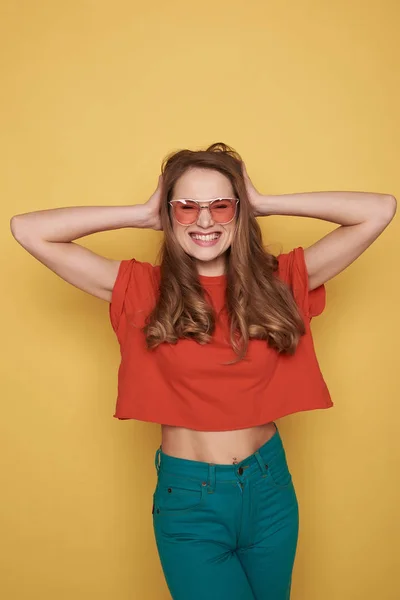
(259, 304)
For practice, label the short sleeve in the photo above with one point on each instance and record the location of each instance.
(293, 270)
(133, 285)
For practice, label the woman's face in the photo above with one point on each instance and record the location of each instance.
(204, 185)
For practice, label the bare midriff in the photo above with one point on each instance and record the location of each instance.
(217, 447)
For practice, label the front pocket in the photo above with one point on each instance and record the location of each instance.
(177, 494)
(278, 474)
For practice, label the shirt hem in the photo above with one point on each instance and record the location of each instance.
(258, 422)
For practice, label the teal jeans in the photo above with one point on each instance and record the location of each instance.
(227, 531)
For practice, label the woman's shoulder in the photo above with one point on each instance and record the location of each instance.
(139, 271)
(292, 269)
(135, 288)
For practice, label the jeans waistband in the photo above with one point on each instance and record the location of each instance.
(222, 472)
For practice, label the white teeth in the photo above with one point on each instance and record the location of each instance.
(205, 238)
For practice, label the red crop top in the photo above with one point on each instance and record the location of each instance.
(185, 385)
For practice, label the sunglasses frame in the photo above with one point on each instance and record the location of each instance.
(210, 202)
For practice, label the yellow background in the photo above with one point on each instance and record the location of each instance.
(94, 94)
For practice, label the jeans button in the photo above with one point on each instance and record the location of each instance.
(240, 470)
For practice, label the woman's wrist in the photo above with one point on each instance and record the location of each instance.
(142, 217)
(261, 206)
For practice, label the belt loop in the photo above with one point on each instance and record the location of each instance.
(157, 459)
(211, 478)
(260, 462)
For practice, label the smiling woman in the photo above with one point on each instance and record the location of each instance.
(224, 508)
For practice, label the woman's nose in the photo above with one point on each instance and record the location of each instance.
(204, 217)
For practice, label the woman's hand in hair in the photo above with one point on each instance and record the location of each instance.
(254, 196)
(153, 205)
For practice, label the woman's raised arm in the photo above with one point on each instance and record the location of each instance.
(48, 236)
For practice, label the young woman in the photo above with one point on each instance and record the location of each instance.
(215, 346)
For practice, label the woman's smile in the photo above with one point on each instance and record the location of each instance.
(202, 239)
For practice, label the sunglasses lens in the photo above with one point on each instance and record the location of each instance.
(222, 211)
(187, 212)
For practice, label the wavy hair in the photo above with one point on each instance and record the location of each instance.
(258, 303)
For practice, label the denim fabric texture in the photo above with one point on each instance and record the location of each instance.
(227, 531)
